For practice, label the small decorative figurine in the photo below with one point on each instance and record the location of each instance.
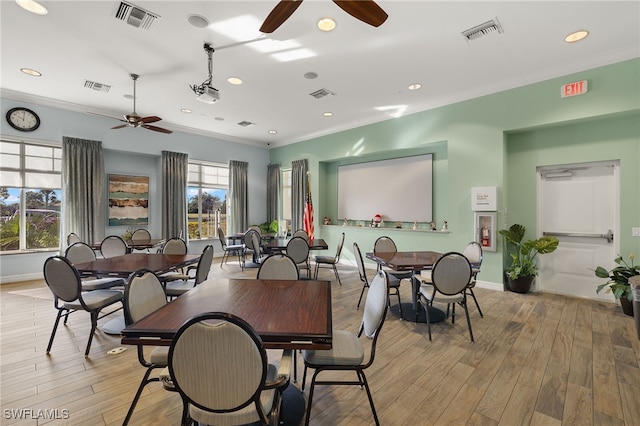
(433, 226)
(345, 222)
(445, 226)
(327, 221)
(375, 222)
(398, 225)
(415, 225)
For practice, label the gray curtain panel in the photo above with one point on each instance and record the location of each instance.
(238, 220)
(298, 192)
(83, 189)
(273, 191)
(175, 166)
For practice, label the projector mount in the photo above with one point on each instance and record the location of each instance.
(202, 88)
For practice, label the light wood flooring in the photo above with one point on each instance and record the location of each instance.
(538, 359)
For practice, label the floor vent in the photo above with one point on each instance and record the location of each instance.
(245, 123)
(482, 30)
(135, 16)
(98, 87)
(321, 93)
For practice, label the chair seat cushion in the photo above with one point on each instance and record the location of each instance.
(426, 291)
(234, 247)
(160, 356)
(175, 288)
(246, 415)
(325, 259)
(96, 299)
(101, 283)
(347, 350)
(393, 281)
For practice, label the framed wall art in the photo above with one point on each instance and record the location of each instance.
(128, 200)
(485, 230)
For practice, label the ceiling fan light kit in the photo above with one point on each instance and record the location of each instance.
(205, 92)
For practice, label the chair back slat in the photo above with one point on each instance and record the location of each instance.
(278, 267)
(62, 278)
(175, 246)
(143, 294)
(473, 252)
(384, 245)
(375, 306)
(204, 264)
(451, 273)
(359, 261)
(80, 253)
(112, 246)
(298, 249)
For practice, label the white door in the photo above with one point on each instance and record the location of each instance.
(579, 204)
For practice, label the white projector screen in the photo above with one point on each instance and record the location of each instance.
(399, 189)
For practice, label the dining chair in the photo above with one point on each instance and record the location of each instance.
(278, 266)
(175, 246)
(72, 237)
(252, 244)
(141, 236)
(385, 244)
(112, 246)
(66, 285)
(473, 253)
(450, 276)
(230, 249)
(218, 364)
(394, 284)
(298, 250)
(330, 261)
(80, 252)
(177, 288)
(348, 352)
(144, 294)
(301, 233)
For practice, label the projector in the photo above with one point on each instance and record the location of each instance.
(209, 95)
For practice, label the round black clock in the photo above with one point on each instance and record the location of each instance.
(23, 119)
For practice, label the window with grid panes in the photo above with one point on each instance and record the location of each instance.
(207, 199)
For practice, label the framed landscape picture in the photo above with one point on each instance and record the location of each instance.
(128, 200)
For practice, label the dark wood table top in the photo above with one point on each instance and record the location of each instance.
(281, 243)
(135, 244)
(287, 314)
(126, 264)
(406, 260)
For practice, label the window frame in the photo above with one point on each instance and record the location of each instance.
(202, 184)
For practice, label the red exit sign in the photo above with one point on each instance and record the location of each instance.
(574, 89)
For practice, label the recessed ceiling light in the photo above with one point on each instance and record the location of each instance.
(32, 6)
(328, 114)
(272, 132)
(186, 110)
(235, 81)
(326, 24)
(31, 72)
(198, 21)
(576, 36)
(415, 86)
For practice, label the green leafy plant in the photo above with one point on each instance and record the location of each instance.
(618, 277)
(523, 253)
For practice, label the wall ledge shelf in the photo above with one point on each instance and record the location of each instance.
(390, 228)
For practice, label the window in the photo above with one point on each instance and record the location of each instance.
(207, 199)
(286, 197)
(30, 196)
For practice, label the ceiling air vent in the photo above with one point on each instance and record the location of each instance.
(135, 16)
(482, 30)
(245, 123)
(321, 93)
(98, 87)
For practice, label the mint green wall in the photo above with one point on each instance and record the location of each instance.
(472, 140)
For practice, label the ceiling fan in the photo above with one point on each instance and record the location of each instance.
(365, 10)
(134, 120)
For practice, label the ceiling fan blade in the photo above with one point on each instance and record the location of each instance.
(365, 10)
(150, 119)
(283, 10)
(156, 128)
(120, 126)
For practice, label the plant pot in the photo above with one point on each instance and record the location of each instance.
(520, 284)
(627, 307)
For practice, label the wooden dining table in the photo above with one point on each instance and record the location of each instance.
(281, 244)
(136, 244)
(286, 314)
(125, 265)
(414, 262)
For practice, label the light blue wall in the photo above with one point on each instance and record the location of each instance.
(136, 152)
(471, 142)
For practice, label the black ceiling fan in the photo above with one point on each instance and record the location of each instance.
(365, 10)
(134, 120)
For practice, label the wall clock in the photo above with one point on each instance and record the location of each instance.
(23, 119)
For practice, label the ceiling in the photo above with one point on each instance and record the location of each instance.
(366, 70)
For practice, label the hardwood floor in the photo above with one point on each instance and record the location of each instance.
(538, 359)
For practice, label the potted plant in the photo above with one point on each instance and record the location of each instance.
(524, 269)
(618, 281)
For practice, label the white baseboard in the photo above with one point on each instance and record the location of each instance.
(22, 277)
(490, 285)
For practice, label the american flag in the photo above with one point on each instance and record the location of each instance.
(308, 211)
